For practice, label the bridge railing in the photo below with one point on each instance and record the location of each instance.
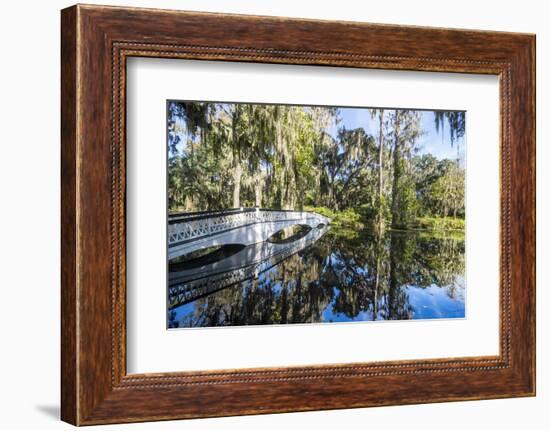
(188, 227)
(197, 215)
(183, 290)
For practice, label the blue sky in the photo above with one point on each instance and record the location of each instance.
(436, 143)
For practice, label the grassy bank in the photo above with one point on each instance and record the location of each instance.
(353, 220)
(439, 223)
(347, 218)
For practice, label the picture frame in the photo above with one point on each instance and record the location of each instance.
(96, 42)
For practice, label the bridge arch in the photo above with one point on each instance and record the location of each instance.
(192, 231)
(190, 284)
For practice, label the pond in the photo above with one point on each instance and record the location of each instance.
(341, 276)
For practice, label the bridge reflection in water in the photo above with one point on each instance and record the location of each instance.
(320, 275)
(251, 228)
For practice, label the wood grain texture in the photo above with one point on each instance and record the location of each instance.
(69, 397)
(96, 41)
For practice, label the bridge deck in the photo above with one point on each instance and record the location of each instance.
(193, 231)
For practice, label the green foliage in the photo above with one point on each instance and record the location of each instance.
(324, 211)
(223, 155)
(440, 187)
(404, 203)
(347, 218)
(438, 223)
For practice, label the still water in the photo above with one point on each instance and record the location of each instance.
(341, 276)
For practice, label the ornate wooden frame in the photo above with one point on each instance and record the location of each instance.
(95, 43)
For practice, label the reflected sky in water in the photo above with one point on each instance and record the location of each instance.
(344, 276)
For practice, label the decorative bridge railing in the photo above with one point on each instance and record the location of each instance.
(190, 231)
(188, 227)
(187, 286)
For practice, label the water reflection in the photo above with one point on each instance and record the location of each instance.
(340, 277)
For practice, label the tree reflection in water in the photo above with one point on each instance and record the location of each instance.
(344, 276)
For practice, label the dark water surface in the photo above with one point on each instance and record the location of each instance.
(343, 276)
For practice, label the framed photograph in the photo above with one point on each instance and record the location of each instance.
(322, 214)
(281, 214)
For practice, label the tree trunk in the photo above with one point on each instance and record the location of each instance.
(380, 172)
(396, 173)
(237, 174)
(301, 198)
(282, 190)
(258, 191)
(330, 202)
(376, 287)
(237, 169)
(189, 204)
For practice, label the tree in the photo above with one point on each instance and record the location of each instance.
(456, 121)
(344, 162)
(439, 186)
(223, 155)
(405, 132)
(380, 200)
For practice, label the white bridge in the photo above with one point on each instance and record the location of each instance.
(193, 231)
(190, 284)
(248, 228)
